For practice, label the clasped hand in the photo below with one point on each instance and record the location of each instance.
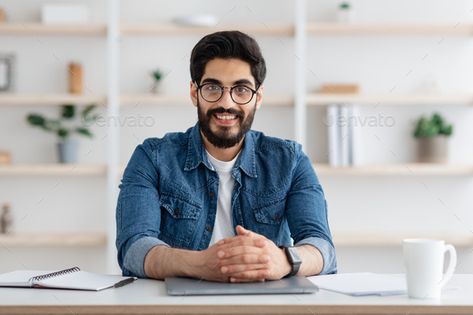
(246, 257)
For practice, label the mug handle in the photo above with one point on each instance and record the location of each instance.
(452, 264)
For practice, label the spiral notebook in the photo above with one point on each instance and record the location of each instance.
(72, 278)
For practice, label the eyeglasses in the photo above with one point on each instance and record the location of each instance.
(240, 94)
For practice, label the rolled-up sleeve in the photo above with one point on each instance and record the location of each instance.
(138, 215)
(306, 211)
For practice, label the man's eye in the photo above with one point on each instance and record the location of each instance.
(212, 87)
(242, 89)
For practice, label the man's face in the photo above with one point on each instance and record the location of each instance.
(224, 123)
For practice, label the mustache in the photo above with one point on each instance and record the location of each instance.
(221, 110)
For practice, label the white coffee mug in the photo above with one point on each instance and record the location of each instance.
(424, 262)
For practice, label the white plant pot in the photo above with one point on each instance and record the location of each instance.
(68, 151)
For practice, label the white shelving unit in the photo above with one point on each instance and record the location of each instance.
(34, 29)
(333, 29)
(175, 30)
(320, 99)
(12, 99)
(30, 240)
(300, 30)
(53, 170)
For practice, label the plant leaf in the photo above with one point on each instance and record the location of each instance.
(87, 111)
(84, 131)
(36, 120)
(68, 111)
(63, 133)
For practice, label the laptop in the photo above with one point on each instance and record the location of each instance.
(188, 286)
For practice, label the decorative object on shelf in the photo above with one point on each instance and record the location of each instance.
(338, 88)
(345, 12)
(5, 158)
(341, 122)
(64, 128)
(157, 76)
(3, 16)
(75, 78)
(7, 64)
(432, 137)
(6, 219)
(199, 20)
(64, 13)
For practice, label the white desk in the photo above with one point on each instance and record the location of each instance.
(149, 297)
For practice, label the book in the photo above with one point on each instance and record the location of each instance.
(72, 278)
(333, 135)
(362, 284)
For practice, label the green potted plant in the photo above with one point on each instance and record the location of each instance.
(65, 126)
(432, 137)
(157, 76)
(345, 12)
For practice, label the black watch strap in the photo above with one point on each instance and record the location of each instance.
(294, 260)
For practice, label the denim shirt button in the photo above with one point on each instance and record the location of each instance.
(208, 228)
(211, 194)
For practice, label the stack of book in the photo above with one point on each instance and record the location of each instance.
(341, 124)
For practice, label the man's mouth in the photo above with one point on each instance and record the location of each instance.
(225, 116)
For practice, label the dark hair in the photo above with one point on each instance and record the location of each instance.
(227, 44)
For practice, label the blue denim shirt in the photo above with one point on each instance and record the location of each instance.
(168, 196)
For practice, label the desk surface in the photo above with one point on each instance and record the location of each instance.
(149, 297)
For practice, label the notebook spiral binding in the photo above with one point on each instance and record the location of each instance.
(55, 274)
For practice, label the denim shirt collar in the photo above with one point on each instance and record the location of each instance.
(196, 153)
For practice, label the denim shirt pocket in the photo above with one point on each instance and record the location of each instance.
(178, 221)
(271, 213)
(269, 216)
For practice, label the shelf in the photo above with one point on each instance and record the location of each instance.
(12, 99)
(381, 239)
(60, 29)
(388, 29)
(413, 169)
(321, 99)
(172, 29)
(153, 99)
(53, 169)
(90, 239)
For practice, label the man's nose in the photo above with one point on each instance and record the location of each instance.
(226, 101)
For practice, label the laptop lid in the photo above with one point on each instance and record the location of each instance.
(188, 286)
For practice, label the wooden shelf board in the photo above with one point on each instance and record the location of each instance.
(45, 29)
(380, 238)
(152, 99)
(412, 169)
(315, 28)
(321, 99)
(172, 29)
(12, 99)
(53, 169)
(38, 239)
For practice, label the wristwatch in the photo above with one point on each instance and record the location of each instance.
(294, 260)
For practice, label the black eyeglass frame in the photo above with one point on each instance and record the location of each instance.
(222, 89)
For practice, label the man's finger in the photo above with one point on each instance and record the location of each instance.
(245, 259)
(238, 250)
(235, 269)
(250, 276)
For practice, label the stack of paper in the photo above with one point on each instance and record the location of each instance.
(361, 284)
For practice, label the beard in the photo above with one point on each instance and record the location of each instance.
(224, 138)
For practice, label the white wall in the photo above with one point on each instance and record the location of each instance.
(380, 64)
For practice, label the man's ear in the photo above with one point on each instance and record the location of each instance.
(193, 93)
(259, 97)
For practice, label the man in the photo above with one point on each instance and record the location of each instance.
(221, 202)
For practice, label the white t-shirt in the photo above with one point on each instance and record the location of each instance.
(223, 226)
